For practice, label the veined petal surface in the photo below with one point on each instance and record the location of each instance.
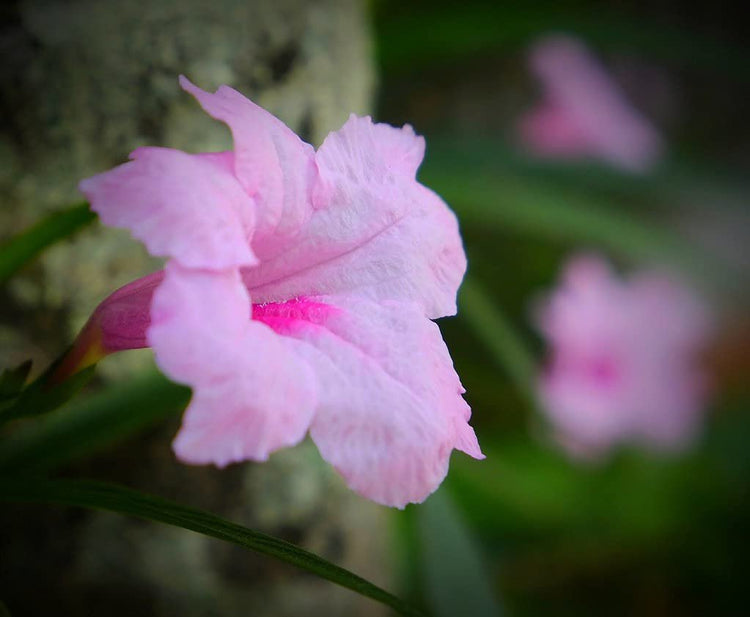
(375, 231)
(273, 165)
(390, 410)
(251, 393)
(185, 206)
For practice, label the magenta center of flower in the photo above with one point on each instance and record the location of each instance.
(602, 371)
(599, 371)
(291, 316)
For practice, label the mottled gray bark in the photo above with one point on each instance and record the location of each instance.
(82, 83)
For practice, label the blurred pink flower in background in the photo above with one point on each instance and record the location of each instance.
(583, 113)
(298, 295)
(623, 359)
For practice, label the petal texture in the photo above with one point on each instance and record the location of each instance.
(251, 393)
(375, 230)
(273, 165)
(179, 205)
(390, 410)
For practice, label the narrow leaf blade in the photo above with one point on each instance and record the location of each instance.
(500, 338)
(104, 496)
(18, 251)
(509, 203)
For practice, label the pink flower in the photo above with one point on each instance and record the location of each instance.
(584, 113)
(297, 296)
(623, 365)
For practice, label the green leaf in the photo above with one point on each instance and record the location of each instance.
(497, 334)
(405, 551)
(103, 496)
(506, 202)
(18, 251)
(524, 489)
(456, 580)
(88, 425)
(4, 612)
(668, 184)
(522, 486)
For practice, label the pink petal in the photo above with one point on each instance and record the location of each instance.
(549, 130)
(251, 393)
(179, 205)
(682, 317)
(588, 416)
(391, 409)
(593, 105)
(367, 152)
(124, 316)
(376, 232)
(117, 324)
(273, 165)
